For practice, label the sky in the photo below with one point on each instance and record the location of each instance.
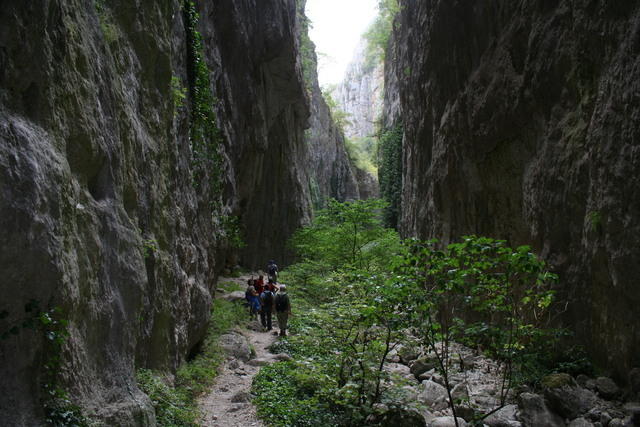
(336, 29)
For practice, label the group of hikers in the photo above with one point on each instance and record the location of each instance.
(265, 298)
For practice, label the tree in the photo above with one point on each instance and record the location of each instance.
(482, 293)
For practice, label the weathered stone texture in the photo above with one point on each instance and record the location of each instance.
(98, 214)
(521, 122)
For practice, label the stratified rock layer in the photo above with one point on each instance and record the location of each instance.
(98, 212)
(522, 121)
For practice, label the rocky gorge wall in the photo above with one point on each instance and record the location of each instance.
(99, 212)
(331, 174)
(360, 94)
(522, 122)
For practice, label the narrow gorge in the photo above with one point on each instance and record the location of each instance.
(149, 151)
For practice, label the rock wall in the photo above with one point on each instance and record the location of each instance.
(254, 55)
(361, 92)
(522, 121)
(331, 174)
(99, 215)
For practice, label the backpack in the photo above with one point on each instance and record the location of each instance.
(267, 298)
(282, 302)
(272, 269)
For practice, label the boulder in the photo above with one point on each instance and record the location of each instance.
(408, 354)
(283, 357)
(258, 362)
(399, 417)
(400, 370)
(433, 395)
(235, 345)
(633, 410)
(233, 296)
(535, 412)
(240, 397)
(423, 364)
(447, 422)
(580, 422)
(607, 388)
(504, 417)
(566, 397)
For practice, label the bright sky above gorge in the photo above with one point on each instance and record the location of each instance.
(336, 29)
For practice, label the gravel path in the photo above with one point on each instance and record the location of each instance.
(228, 403)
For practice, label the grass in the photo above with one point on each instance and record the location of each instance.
(175, 401)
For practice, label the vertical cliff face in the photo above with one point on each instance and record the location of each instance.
(258, 77)
(331, 174)
(361, 92)
(99, 211)
(521, 121)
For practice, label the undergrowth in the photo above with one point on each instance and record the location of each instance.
(175, 402)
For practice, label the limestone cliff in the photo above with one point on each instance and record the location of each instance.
(361, 92)
(331, 174)
(106, 208)
(522, 121)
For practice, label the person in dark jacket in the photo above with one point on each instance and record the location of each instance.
(283, 309)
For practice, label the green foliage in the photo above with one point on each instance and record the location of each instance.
(346, 321)
(176, 403)
(149, 247)
(340, 117)
(109, 29)
(173, 406)
(362, 153)
(594, 219)
(233, 231)
(377, 36)
(204, 133)
(179, 93)
(348, 234)
(390, 173)
(482, 293)
(58, 408)
(287, 395)
(307, 49)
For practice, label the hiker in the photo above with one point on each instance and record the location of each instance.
(272, 271)
(271, 286)
(283, 309)
(253, 299)
(267, 300)
(259, 284)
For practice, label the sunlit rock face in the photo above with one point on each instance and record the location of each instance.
(99, 215)
(360, 96)
(522, 122)
(361, 92)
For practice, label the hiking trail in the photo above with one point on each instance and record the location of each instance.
(228, 403)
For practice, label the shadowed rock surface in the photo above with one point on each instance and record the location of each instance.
(98, 213)
(521, 122)
(331, 173)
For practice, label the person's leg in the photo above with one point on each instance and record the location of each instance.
(263, 318)
(281, 321)
(268, 320)
(283, 325)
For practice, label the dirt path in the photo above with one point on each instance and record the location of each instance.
(228, 403)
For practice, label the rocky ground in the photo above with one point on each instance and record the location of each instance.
(228, 403)
(416, 393)
(562, 401)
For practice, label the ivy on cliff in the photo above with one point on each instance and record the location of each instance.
(377, 36)
(390, 173)
(204, 133)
